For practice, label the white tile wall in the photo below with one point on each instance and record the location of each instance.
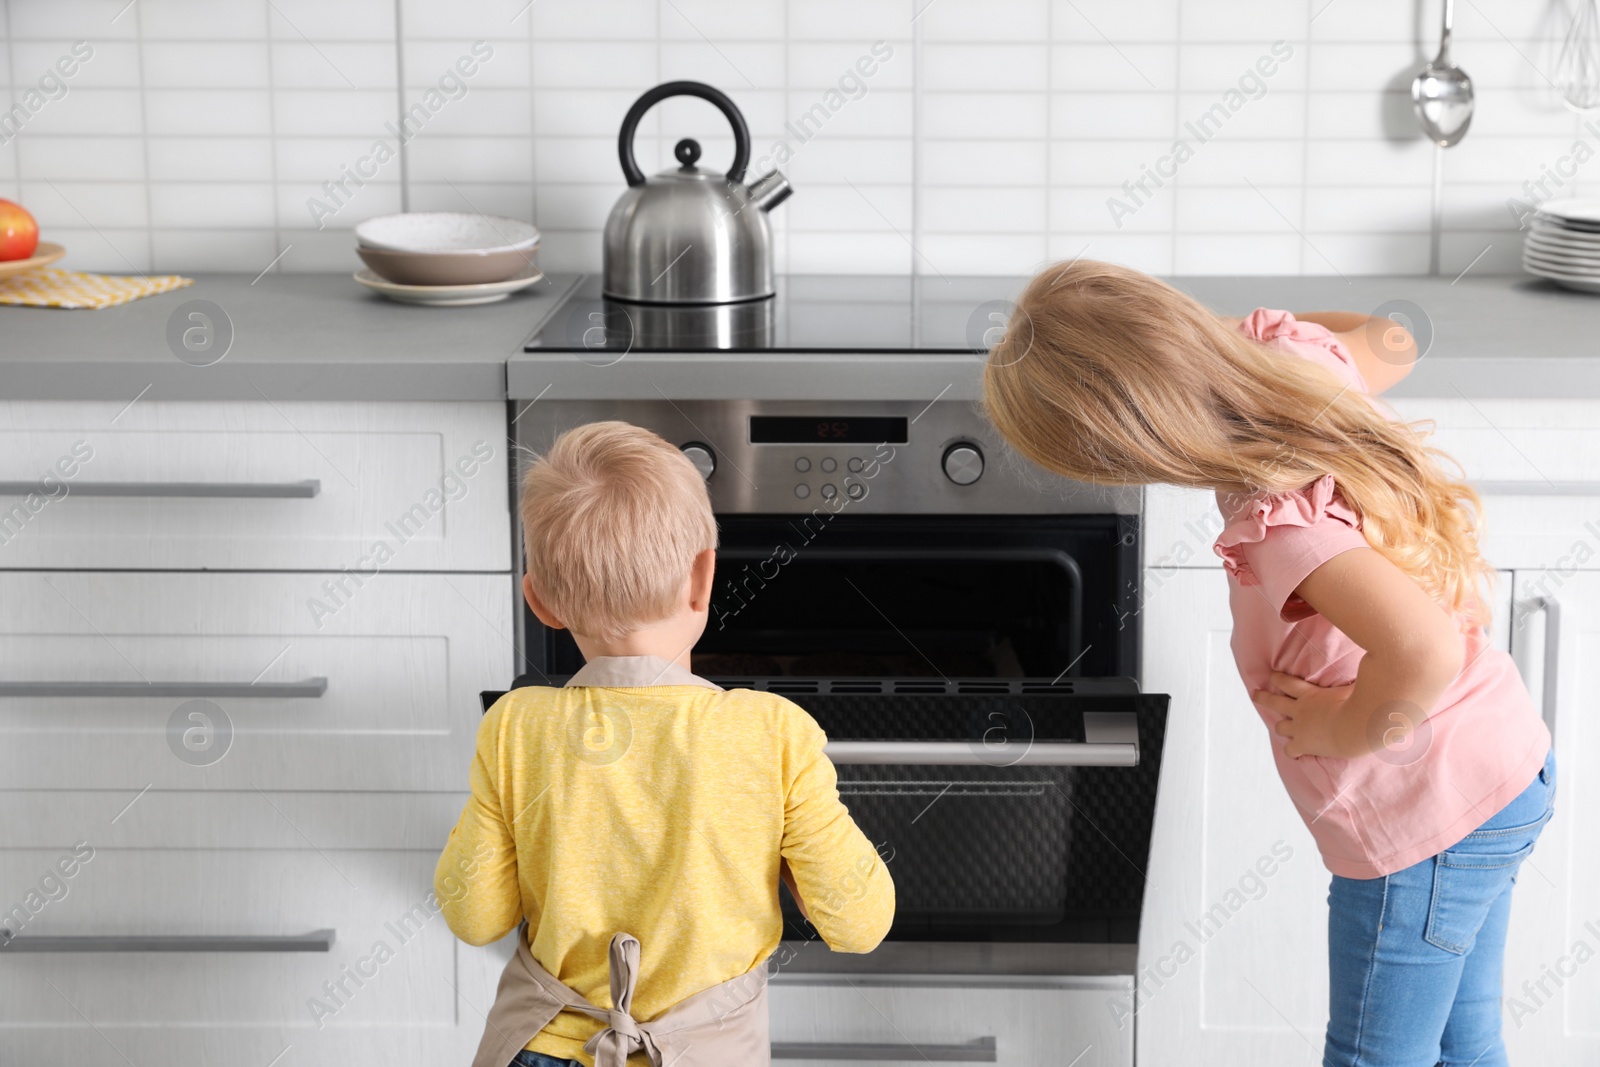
(990, 137)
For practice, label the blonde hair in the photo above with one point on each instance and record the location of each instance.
(613, 517)
(1110, 376)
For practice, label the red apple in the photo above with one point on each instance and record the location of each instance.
(19, 234)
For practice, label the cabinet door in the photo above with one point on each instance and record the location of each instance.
(1233, 942)
(251, 684)
(1552, 972)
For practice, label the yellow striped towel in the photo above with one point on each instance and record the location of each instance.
(52, 288)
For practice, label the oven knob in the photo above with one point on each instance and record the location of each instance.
(963, 463)
(702, 458)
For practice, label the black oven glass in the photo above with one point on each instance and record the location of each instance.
(912, 596)
(1001, 853)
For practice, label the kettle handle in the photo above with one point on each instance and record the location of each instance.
(630, 124)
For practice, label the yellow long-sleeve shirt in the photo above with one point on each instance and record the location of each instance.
(663, 811)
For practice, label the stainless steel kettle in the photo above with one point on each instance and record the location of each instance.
(689, 236)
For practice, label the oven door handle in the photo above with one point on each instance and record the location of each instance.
(1110, 739)
(976, 754)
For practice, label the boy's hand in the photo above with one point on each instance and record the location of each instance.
(1311, 720)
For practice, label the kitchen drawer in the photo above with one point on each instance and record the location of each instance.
(393, 964)
(251, 685)
(254, 486)
(825, 1022)
(1537, 465)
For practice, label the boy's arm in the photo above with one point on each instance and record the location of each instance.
(475, 882)
(786, 876)
(837, 876)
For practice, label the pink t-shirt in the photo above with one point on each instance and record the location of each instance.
(1481, 746)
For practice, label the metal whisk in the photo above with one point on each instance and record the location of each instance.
(1578, 71)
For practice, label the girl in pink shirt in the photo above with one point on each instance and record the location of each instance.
(1407, 743)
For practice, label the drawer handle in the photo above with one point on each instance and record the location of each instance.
(306, 687)
(978, 1050)
(1531, 488)
(315, 941)
(276, 490)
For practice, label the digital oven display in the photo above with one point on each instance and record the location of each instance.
(820, 430)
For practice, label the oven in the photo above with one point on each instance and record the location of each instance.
(960, 623)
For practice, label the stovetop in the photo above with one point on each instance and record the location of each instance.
(808, 314)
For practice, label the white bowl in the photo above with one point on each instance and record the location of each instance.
(447, 232)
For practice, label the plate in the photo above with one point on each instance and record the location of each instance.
(46, 254)
(1571, 281)
(1561, 254)
(1557, 256)
(1580, 210)
(1576, 245)
(449, 295)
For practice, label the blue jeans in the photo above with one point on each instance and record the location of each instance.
(527, 1058)
(1414, 958)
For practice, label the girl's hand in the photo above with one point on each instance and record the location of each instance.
(1311, 720)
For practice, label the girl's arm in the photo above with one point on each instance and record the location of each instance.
(1414, 650)
(1384, 350)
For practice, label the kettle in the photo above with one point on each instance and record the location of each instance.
(690, 236)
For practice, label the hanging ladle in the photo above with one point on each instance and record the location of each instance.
(1441, 94)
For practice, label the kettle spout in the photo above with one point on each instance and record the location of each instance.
(770, 190)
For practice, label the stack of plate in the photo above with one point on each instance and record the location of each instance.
(447, 257)
(1563, 244)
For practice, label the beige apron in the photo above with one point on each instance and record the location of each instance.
(723, 1026)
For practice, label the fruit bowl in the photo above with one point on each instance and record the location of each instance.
(44, 255)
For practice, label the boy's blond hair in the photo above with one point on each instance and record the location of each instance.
(613, 517)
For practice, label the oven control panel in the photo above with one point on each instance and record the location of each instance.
(866, 457)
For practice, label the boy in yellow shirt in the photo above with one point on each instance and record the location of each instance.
(641, 799)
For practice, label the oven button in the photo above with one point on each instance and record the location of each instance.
(963, 463)
(802, 490)
(702, 458)
(829, 491)
(802, 464)
(830, 465)
(855, 490)
(854, 464)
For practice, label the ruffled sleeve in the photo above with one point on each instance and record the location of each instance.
(1275, 540)
(1307, 340)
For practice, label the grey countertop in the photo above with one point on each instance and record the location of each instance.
(294, 337)
(323, 337)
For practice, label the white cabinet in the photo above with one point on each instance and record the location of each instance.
(821, 1021)
(1537, 464)
(374, 966)
(307, 486)
(250, 687)
(240, 659)
(1552, 971)
(1233, 942)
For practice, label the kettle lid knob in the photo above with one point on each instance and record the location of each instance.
(687, 152)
